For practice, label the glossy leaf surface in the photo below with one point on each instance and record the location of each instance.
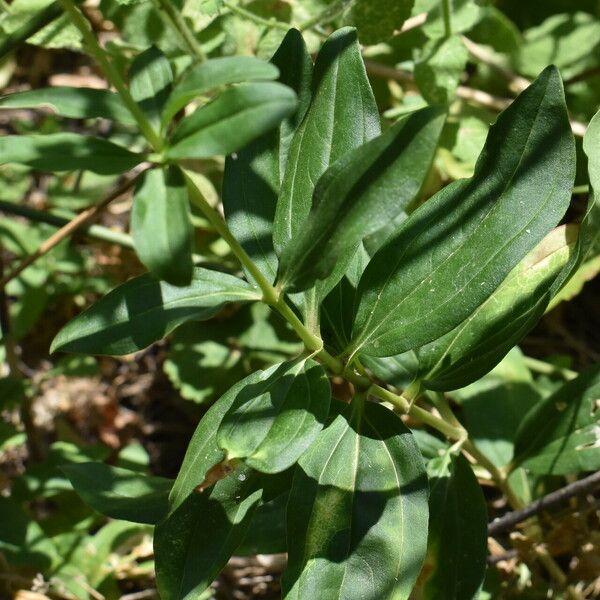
(232, 120)
(342, 116)
(144, 309)
(120, 493)
(562, 435)
(203, 529)
(359, 194)
(479, 343)
(457, 545)
(456, 249)
(67, 152)
(252, 176)
(213, 74)
(359, 519)
(274, 420)
(161, 227)
(590, 227)
(71, 102)
(150, 79)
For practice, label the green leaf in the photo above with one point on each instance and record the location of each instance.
(161, 227)
(377, 21)
(570, 41)
(144, 309)
(213, 74)
(590, 226)
(195, 542)
(464, 14)
(438, 73)
(274, 419)
(474, 347)
(74, 103)
(22, 540)
(589, 232)
(586, 272)
(232, 120)
(203, 529)
(120, 493)
(150, 79)
(266, 534)
(496, 30)
(359, 194)
(58, 32)
(451, 254)
(67, 152)
(342, 115)
(204, 358)
(457, 545)
(562, 435)
(252, 176)
(358, 517)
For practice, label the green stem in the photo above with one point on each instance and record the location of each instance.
(446, 11)
(406, 405)
(178, 24)
(112, 74)
(496, 474)
(242, 12)
(439, 401)
(270, 296)
(541, 366)
(312, 342)
(581, 189)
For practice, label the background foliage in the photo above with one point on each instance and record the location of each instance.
(136, 414)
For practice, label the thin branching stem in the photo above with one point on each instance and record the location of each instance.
(72, 226)
(111, 73)
(175, 20)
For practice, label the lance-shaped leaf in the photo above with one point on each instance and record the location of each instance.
(120, 493)
(161, 227)
(144, 309)
(74, 103)
(562, 435)
(214, 73)
(232, 120)
(359, 194)
(457, 545)
(590, 227)
(342, 116)
(589, 235)
(456, 249)
(273, 421)
(251, 179)
(266, 534)
(358, 510)
(150, 79)
(67, 152)
(204, 528)
(479, 343)
(195, 542)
